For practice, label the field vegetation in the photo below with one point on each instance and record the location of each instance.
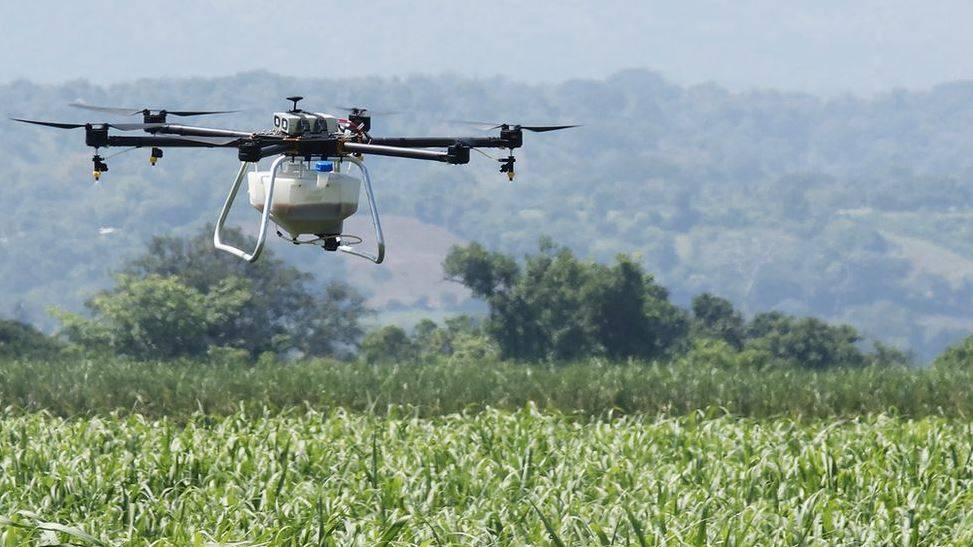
(332, 478)
(708, 379)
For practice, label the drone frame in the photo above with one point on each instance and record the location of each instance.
(350, 144)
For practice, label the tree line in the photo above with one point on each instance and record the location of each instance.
(182, 299)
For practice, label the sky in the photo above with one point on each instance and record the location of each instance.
(825, 47)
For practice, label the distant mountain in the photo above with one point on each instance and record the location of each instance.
(857, 210)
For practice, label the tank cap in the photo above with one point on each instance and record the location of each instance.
(324, 166)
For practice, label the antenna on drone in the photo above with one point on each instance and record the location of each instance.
(295, 99)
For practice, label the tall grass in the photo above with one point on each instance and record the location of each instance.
(71, 387)
(526, 478)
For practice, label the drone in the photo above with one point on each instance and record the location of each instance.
(308, 192)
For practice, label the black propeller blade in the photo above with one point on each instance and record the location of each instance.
(489, 126)
(482, 126)
(133, 111)
(360, 111)
(51, 124)
(198, 112)
(542, 128)
(119, 126)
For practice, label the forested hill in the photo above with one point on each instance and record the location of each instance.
(854, 209)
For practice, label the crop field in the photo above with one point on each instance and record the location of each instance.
(490, 477)
(178, 389)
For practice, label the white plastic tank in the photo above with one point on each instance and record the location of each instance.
(308, 199)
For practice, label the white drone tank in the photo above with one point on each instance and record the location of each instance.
(307, 200)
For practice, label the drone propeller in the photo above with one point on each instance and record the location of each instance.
(198, 112)
(119, 126)
(489, 126)
(51, 124)
(361, 111)
(133, 111)
(482, 126)
(542, 128)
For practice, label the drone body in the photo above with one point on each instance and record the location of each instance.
(308, 190)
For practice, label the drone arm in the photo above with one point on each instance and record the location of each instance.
(442, 142)
(273, 150)
(159, 141)
(454, 155)
(193, 131)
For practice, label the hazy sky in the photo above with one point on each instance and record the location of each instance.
(821, 46)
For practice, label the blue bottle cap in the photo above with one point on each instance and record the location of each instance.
(324, 166)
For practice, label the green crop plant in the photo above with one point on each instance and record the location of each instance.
(490, 477)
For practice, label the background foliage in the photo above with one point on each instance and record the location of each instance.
(855, 210)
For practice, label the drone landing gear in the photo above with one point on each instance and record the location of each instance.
(341, 243)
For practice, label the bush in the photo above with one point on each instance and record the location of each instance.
(389, 344)
(716, 353)
(714, 317)
(460, 337)
(19, 339)
(806, 342)
(957, 356)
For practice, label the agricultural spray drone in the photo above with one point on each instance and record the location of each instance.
(307, 191)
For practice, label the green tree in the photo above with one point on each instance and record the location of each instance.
(884, 355)
(19, 339)
(559, 307)
(714, 317)
(285, 312)
(460, 337)
(627, 313)
(959, 355)
(431, 340)
(482, 271)
(156, 317)
(807, 342)
(388, 344)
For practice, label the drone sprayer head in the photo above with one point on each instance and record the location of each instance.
(507, 166)
(99, 166)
